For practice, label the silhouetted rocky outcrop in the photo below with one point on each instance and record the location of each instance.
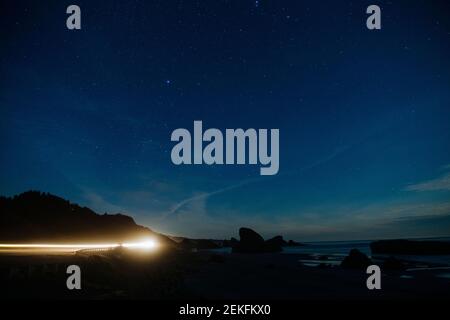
(34, 216)
(278, 240)
(250, 242)
(292, 243)
(356, 260)
(275, 244)
(410, 247)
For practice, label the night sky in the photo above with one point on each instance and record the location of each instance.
(364, 116)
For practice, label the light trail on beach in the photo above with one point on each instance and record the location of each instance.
(149, 244)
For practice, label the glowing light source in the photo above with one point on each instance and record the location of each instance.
(146, 245)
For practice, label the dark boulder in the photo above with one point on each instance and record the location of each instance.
(250, 242)
(410, 247)
(356, 260)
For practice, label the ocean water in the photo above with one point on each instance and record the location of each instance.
(337, 250)
(331, 247)
(333, 252)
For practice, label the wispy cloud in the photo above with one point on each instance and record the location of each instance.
(441, 183)
(371, 221)
(98, 203)
(204, 196)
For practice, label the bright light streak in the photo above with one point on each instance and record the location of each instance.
(68, 246)
(148, 244)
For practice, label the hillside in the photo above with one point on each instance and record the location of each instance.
(36, 217)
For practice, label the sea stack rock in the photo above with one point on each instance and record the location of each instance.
(275, 244)
(356, 260)
(250, 242)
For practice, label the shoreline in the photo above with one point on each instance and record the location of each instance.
(176, 274)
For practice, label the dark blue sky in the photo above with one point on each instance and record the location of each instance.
(364, 116)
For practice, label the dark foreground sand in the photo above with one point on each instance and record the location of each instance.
(203, 275)
(281, 276)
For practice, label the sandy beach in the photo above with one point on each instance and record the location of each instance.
(174, 275)
(282, 276)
